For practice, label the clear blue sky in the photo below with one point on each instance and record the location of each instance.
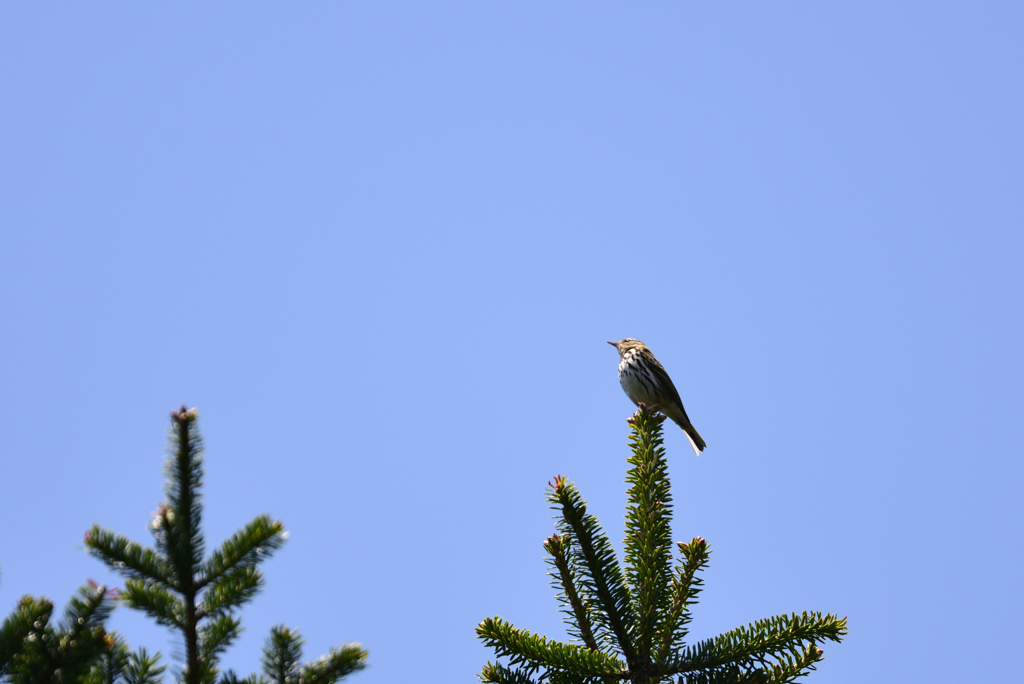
(381, 247)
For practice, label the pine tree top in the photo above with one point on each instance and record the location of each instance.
(630, 617)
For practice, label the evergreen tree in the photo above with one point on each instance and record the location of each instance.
(282, 654)
(175, 585)
(33, 651)
(631, 620)
(119, 665)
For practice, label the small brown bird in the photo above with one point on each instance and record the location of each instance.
(645, 382)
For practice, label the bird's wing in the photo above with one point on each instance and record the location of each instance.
(669, 387)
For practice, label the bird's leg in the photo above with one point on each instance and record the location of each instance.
(652, 410)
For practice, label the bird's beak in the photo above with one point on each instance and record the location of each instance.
(614, 344)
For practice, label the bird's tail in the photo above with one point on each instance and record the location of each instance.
(697, 442)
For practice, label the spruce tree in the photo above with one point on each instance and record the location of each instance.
(631, 620)
(282, 654)
(119, 665)
(34, 651)
(176, 585)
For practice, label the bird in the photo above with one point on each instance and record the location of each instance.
(645, 381)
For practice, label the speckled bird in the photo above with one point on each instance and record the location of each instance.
(645, 382)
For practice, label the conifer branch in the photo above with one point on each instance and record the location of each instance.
(112, 664)
(135, 560)
(46, 654)
(85, 612)
(760, 643)
(339, 662)
(18, 626)
(499, 674)
(648, 543)
(559, 548)
(154, 600)
(31, 653)
(685, 588)
(601, 568)
(230, 591)
(143, 668)
(522, 645)
(261, 537)
(724, 675)
(230, 677)
(120, 666)
(182, 517)
(793, 666)
(216, 635)
(584, 588)
(282, 654)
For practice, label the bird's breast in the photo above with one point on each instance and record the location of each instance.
(637, 384)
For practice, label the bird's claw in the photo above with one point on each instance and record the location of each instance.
(651, 410)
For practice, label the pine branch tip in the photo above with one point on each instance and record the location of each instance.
(558, 484)
(184, 414)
